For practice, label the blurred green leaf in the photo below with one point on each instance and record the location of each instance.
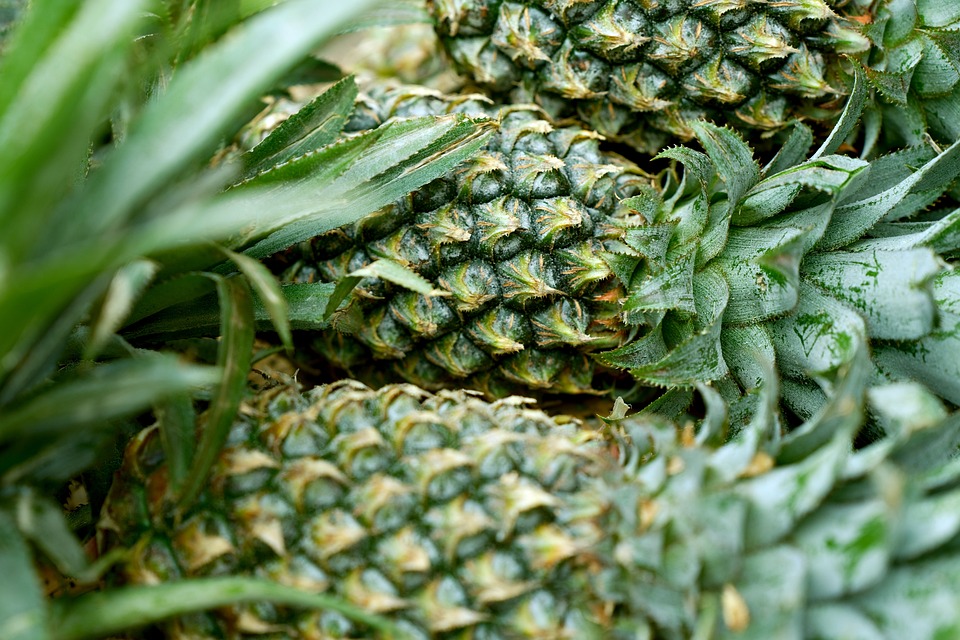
(80, 401)
(126, 287)
(187, 122)
(41, 520)
(178, 431)
(22, 607)
(103, 613)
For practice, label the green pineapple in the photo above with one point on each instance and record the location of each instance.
(458, 518)
(555, 263)
(512, 242)
(647, 69)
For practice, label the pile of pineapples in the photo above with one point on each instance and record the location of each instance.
(553, 319)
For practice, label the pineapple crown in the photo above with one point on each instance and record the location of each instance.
(802, 261)
(777, 535)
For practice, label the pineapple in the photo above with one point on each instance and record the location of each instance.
(556, 263)
(512, 243)
(458, 518)
(647, 69)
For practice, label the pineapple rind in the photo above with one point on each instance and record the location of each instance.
(459, 518)
(646, 71)
(515, 243)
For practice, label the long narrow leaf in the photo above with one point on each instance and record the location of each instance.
(305, 302)
(47, 127)
(202, 102)
(124, 290)
(29, 360)
(131, 386)
(42, 521)
(236, 350)
(422, 149)
(178, 430)
(268, 292)
(849, 117)
(99, 614)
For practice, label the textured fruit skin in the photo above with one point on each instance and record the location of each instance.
(645, 69)
(462, 519)
(443, 512)
(512, 243)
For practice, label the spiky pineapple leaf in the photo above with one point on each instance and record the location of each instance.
(795, 149)
(849, 117)
(384, 269)
(851, 220)
(865, 279)
(695, 354)
(345, 181)
(314, 126)
(732, 157)
(916, 600)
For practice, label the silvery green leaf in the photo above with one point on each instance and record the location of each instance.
(917, 600)
(935, 74)
(938, 14)
(849, 117)
(802, 396)
(927, 524)
(821, 335)
(761, 266)
(772, 584)
(890, 289)
(744, 350)
(933, 360)
(852, 220)
(641, 352)
(905, 408)
(835, 410)
(732, 157)
(833, 175)
(697, 355)
(794, 150)
(784, 495)
(889, 169)
(840, 622)
(847, 547)
(664, 289)
(651, 241)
